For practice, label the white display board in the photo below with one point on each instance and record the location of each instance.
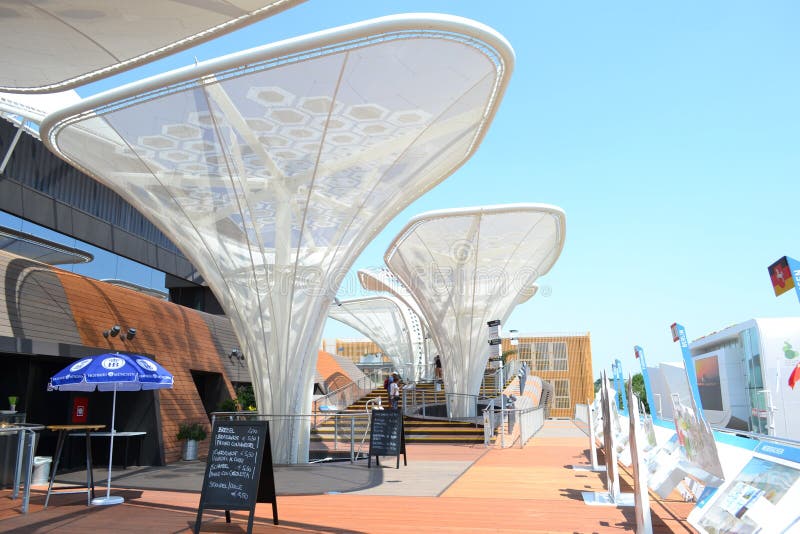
(763, 497)
(697, 442)
(644, 522)
(614, 497)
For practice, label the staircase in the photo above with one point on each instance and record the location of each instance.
(417, 430)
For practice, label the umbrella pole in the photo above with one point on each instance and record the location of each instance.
(108, 499)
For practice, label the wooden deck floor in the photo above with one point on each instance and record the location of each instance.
(511, 490)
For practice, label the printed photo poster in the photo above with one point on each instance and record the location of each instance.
(649, 432)
(764, 497)
(697, 441)
(708, 382)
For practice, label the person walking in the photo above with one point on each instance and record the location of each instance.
(437, 364)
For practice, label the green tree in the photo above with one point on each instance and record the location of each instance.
(246, 396)
(637, 385)
(507, 355)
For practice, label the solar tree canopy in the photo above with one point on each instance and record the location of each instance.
(20, 109)
(53, 45)
(272, 169)
(381, 319)
(466, 267)
(381, 279)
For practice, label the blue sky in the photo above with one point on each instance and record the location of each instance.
(668, 132)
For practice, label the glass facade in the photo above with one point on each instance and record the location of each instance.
(757, 394)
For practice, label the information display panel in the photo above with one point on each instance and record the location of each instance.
(762, 497)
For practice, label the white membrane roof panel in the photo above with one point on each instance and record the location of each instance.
(52, 45)
(382, 279)
(468, 266)
(381, 320)
(273, 168)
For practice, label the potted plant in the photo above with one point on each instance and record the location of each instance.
(12, 401)
(190, 434)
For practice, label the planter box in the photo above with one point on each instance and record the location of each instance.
(190, 449)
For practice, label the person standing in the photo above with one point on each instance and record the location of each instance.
(394, 392)
(437, 364)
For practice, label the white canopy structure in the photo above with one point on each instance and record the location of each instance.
(53, 45)
(381, 319)
(466, 267)
(26, 112)
(381, 279)
(273, 168)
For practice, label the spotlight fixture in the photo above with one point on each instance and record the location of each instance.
(131, 333)
(236, 354)
(113, 331)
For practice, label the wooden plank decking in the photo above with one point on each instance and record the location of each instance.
(501, 491)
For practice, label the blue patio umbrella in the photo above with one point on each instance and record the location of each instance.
(111, 372)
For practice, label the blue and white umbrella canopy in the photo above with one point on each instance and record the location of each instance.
(113, 371)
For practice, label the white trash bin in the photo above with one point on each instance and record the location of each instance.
(41, 469)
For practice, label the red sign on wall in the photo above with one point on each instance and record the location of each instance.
(80, 409)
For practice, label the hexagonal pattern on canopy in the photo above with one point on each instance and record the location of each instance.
(273, 168)
(466, 267)
(382, 320)
(60, 44)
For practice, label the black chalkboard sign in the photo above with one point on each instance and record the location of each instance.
(238, 470)
(387, 436)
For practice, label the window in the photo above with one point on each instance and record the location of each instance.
(524, 352)
(550, 356)
(561, 399)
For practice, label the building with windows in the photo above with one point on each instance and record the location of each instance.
(564, 361)
(356, 350)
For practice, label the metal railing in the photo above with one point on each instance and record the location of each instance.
(500, 377)
(427, 372)
(428, 404)
(497, 386)
(344, 396)
(350, 430)
(376, 372)
(375, 375)
(511, 425)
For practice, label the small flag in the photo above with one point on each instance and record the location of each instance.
(794, 376)
(781, 276)
(674, 328)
